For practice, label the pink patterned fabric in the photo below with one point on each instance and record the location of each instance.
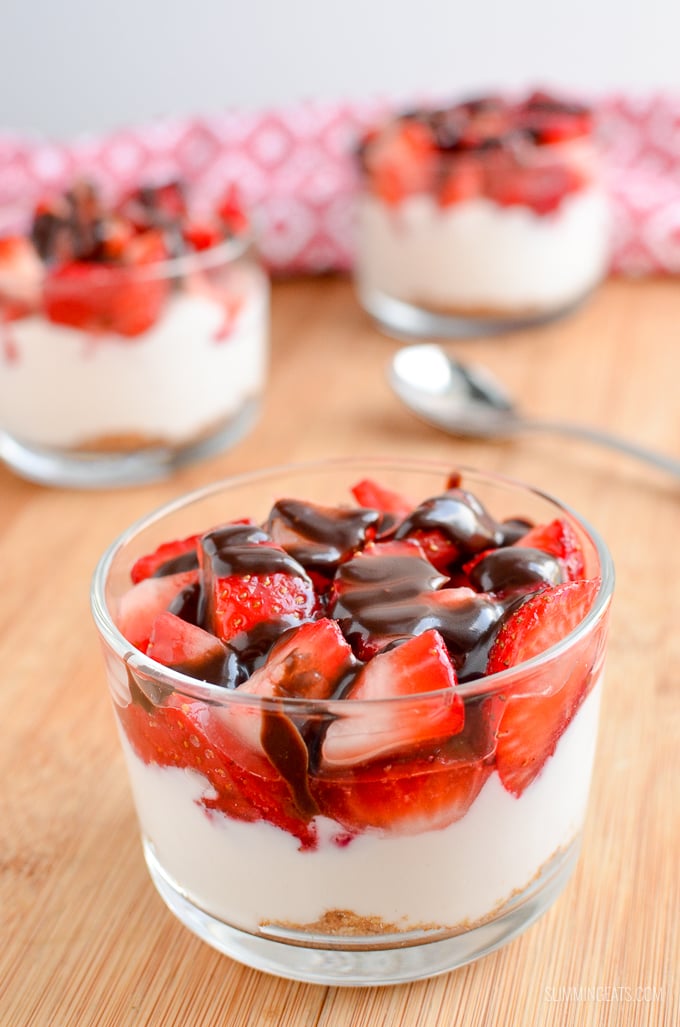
(295, 171)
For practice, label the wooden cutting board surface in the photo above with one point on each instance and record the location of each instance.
(85, 938)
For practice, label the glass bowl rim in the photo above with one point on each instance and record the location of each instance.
(226, 252)
(219, 695)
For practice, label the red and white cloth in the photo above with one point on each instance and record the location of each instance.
(296, 173)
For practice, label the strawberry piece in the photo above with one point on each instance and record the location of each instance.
(401, 161)
(230, 212)
(464, 181)
(540, 187)
(539, 708)
(554, 121)
(118, 298)
(371, 494)
(179, 734)
(402, 798)
(414, 668)
(541, 622)
(266, 742)
(440, 550)
(21, 277)
(191, 650)
(248, 581)
(307, 662)
(202, 235)
(400, 766)
(142, 603)
(560, 540)
(167, 555)
(188, 734)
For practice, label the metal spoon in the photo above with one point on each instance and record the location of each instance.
(467, 400)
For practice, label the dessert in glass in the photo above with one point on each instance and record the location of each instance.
(480, 217)
(133, 334)
(358, 702)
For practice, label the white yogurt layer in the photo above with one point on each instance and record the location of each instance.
(478, 255)
(64, 388)
(250, 873)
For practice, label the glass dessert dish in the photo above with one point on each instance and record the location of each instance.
(480, 217)
(359, 712)
(133, 336)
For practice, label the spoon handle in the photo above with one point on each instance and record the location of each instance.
(603, 438)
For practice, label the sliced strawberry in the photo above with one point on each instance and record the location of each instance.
(401, 797)
(267, 742)
(21, 275)
(539, 708)
(179, 735)
(202, 235)
(306, 663)
(554, 121)
(122, 298)
(414, 668)
(188, 734)
(541, 622)
(464, 181)
(248, 581)
(371, 494)
(164, 559)
(439, 549)
(142, 603)
(191, 650)
(231, 213)
(401, 161)
(559, 539)
(540, 187)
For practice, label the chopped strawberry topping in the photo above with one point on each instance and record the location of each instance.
(559, 539)
(540, 707)
(142, 603)
(109, 298)
(415, 668)
(164, 559)
(249, 580)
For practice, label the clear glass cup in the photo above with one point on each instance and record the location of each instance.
(480, 218)
(276, 875)
(121, 376)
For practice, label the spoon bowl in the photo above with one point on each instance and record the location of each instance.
(467, 400)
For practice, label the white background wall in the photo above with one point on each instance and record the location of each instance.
(73, 66)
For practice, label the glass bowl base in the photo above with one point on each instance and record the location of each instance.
(360, 962)
(406, 321)
(90, 470)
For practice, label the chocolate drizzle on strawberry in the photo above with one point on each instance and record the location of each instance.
(320, 538)
(288, 753)
(459, 516)
(244, 549)
(515, 567)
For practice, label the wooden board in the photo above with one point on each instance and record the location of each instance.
(85, 938)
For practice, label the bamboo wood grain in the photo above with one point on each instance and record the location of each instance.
(85, 939)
